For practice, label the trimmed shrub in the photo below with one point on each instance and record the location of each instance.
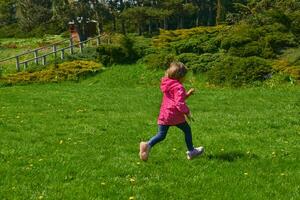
(89, 53)
(10, 31)
(67, 71)
(237, 71)
(250, 49)
(295, 25)
(109, 54)
(119, 52)
(199, 63)
(158, 61)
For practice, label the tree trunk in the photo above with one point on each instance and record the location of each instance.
(123, 27)
(140, 30)
(165, 23)
(150, 27)
(220, 12)
(114, 24)
(210, 14)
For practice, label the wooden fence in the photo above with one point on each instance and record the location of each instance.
(55, 51)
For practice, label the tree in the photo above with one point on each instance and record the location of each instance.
(81, 11)
(138, 15)
(61, 13)
(7, 12)
(32, 13)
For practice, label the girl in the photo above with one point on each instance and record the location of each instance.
(173, 111)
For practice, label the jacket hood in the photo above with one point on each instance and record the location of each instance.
(167, 84)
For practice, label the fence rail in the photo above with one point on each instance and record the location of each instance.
(55, 51)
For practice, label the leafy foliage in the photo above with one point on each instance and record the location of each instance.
(67, 71)
(159, 60)
(119, 52)
(237, 71)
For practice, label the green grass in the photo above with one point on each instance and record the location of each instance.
(10, 47)
(80, 141)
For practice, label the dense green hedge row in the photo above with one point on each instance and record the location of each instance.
(236, 55)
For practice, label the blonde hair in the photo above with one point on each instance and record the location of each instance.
(176, 70)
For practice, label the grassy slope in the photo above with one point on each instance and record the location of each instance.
(80, 141)
(10, 47)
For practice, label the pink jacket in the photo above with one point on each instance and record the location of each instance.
(173, 107)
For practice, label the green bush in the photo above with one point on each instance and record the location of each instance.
(250, 49)
(190, 45)
(160, 60)
(204, 43)
(237, 71)
(199, 63)
(229, 42)
(295, 25)
(109, 54)
(187, 57)
(10, 31)
(89, 53)
(119, 52)
(67, 71)
(141, 46)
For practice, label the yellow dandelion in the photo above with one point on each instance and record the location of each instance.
(222, 149)
(103, 183)
(61, 141)
(246, 174)
(131, 198)
(174, 149)
(138, 163)
(41, 197)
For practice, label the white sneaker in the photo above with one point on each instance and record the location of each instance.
(194, 153)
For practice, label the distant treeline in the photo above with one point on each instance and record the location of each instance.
(22, 17)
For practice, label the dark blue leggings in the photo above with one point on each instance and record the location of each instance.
(163, 130)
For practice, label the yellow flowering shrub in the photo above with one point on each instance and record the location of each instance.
(67, 71)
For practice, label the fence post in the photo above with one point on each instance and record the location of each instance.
(81, 47)
(36, 60)
(18, 63)
(62, 54)
(44, 60)
(25, 65)
(71, 45)
(54, 51)
(98, 40)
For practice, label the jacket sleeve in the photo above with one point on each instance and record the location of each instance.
(179, 97)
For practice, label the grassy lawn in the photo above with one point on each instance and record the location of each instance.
(10, 47)
(80, 141)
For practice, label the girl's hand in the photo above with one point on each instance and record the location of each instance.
(189, 117)
(190, 92)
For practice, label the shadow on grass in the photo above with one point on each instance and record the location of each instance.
(231, 156)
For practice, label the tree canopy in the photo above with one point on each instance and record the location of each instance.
(141, 16)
